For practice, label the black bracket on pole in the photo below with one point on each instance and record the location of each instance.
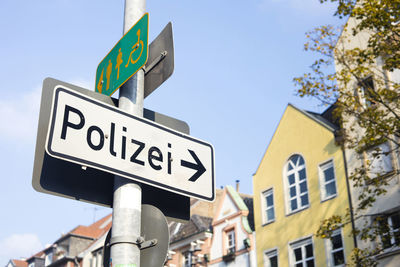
(155, 62)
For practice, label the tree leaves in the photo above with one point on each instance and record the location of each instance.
(365, 52)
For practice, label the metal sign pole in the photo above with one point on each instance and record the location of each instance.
(127, 199)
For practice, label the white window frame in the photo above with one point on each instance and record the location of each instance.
(93, 261)
(48, 258)
(330, 250)
(297, 183)
(187, 259)
(301, 243)
(265, 207)
(392, 231)
(362, 94)
(97, 258)
(32, 264)
(321, 168)
(268, 254)
(177, 227)
(381, 161)
(230, 241)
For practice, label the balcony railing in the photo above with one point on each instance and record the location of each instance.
(230, 255)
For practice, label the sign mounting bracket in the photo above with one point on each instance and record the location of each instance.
(155, 62)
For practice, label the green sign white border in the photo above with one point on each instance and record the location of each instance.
(147, 55)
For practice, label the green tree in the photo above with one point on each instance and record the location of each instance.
(366, 54)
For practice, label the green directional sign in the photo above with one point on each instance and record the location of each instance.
(124, 59)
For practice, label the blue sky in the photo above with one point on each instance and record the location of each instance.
(234, 65)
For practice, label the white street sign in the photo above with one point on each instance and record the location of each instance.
(91, 133)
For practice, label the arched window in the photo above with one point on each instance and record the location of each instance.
(296, 183)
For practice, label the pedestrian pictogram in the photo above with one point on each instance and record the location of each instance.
(125, 59)
(119, 62)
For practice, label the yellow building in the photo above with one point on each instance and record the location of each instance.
(300, 181)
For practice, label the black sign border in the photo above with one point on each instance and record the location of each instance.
(115, 171)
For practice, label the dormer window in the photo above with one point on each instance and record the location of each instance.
(49, 258)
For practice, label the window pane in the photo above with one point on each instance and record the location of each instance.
(293, 159)
(187, 260)
(301, 161)
(310, 263)
(330, 189)
(329, 174)
(302, 174)
(299, 264)
(337, 241)
(304, 200)
(270, 200)
(309, 251)
(338, 258)
(293, 191)
(386, 241)
(396, 221)
(231, 240)
(397, 237)
(297, 183)
(293, 204)
(303, 187)
(291, 179)
(273, 261)
(290, 166)
(382, 163)
(297, 254)
(270, 214)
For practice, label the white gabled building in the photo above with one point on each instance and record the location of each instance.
(233, 241)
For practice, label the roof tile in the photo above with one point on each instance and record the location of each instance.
(20, 263)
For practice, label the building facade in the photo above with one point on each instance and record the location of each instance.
(233, 241)
(300, 181)
(67, 250)
(219, 233)
(202, 241)
(189, 243)
(386, 208)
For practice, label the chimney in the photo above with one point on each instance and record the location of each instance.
(237, 185)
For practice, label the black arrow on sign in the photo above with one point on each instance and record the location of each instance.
(198, 166)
